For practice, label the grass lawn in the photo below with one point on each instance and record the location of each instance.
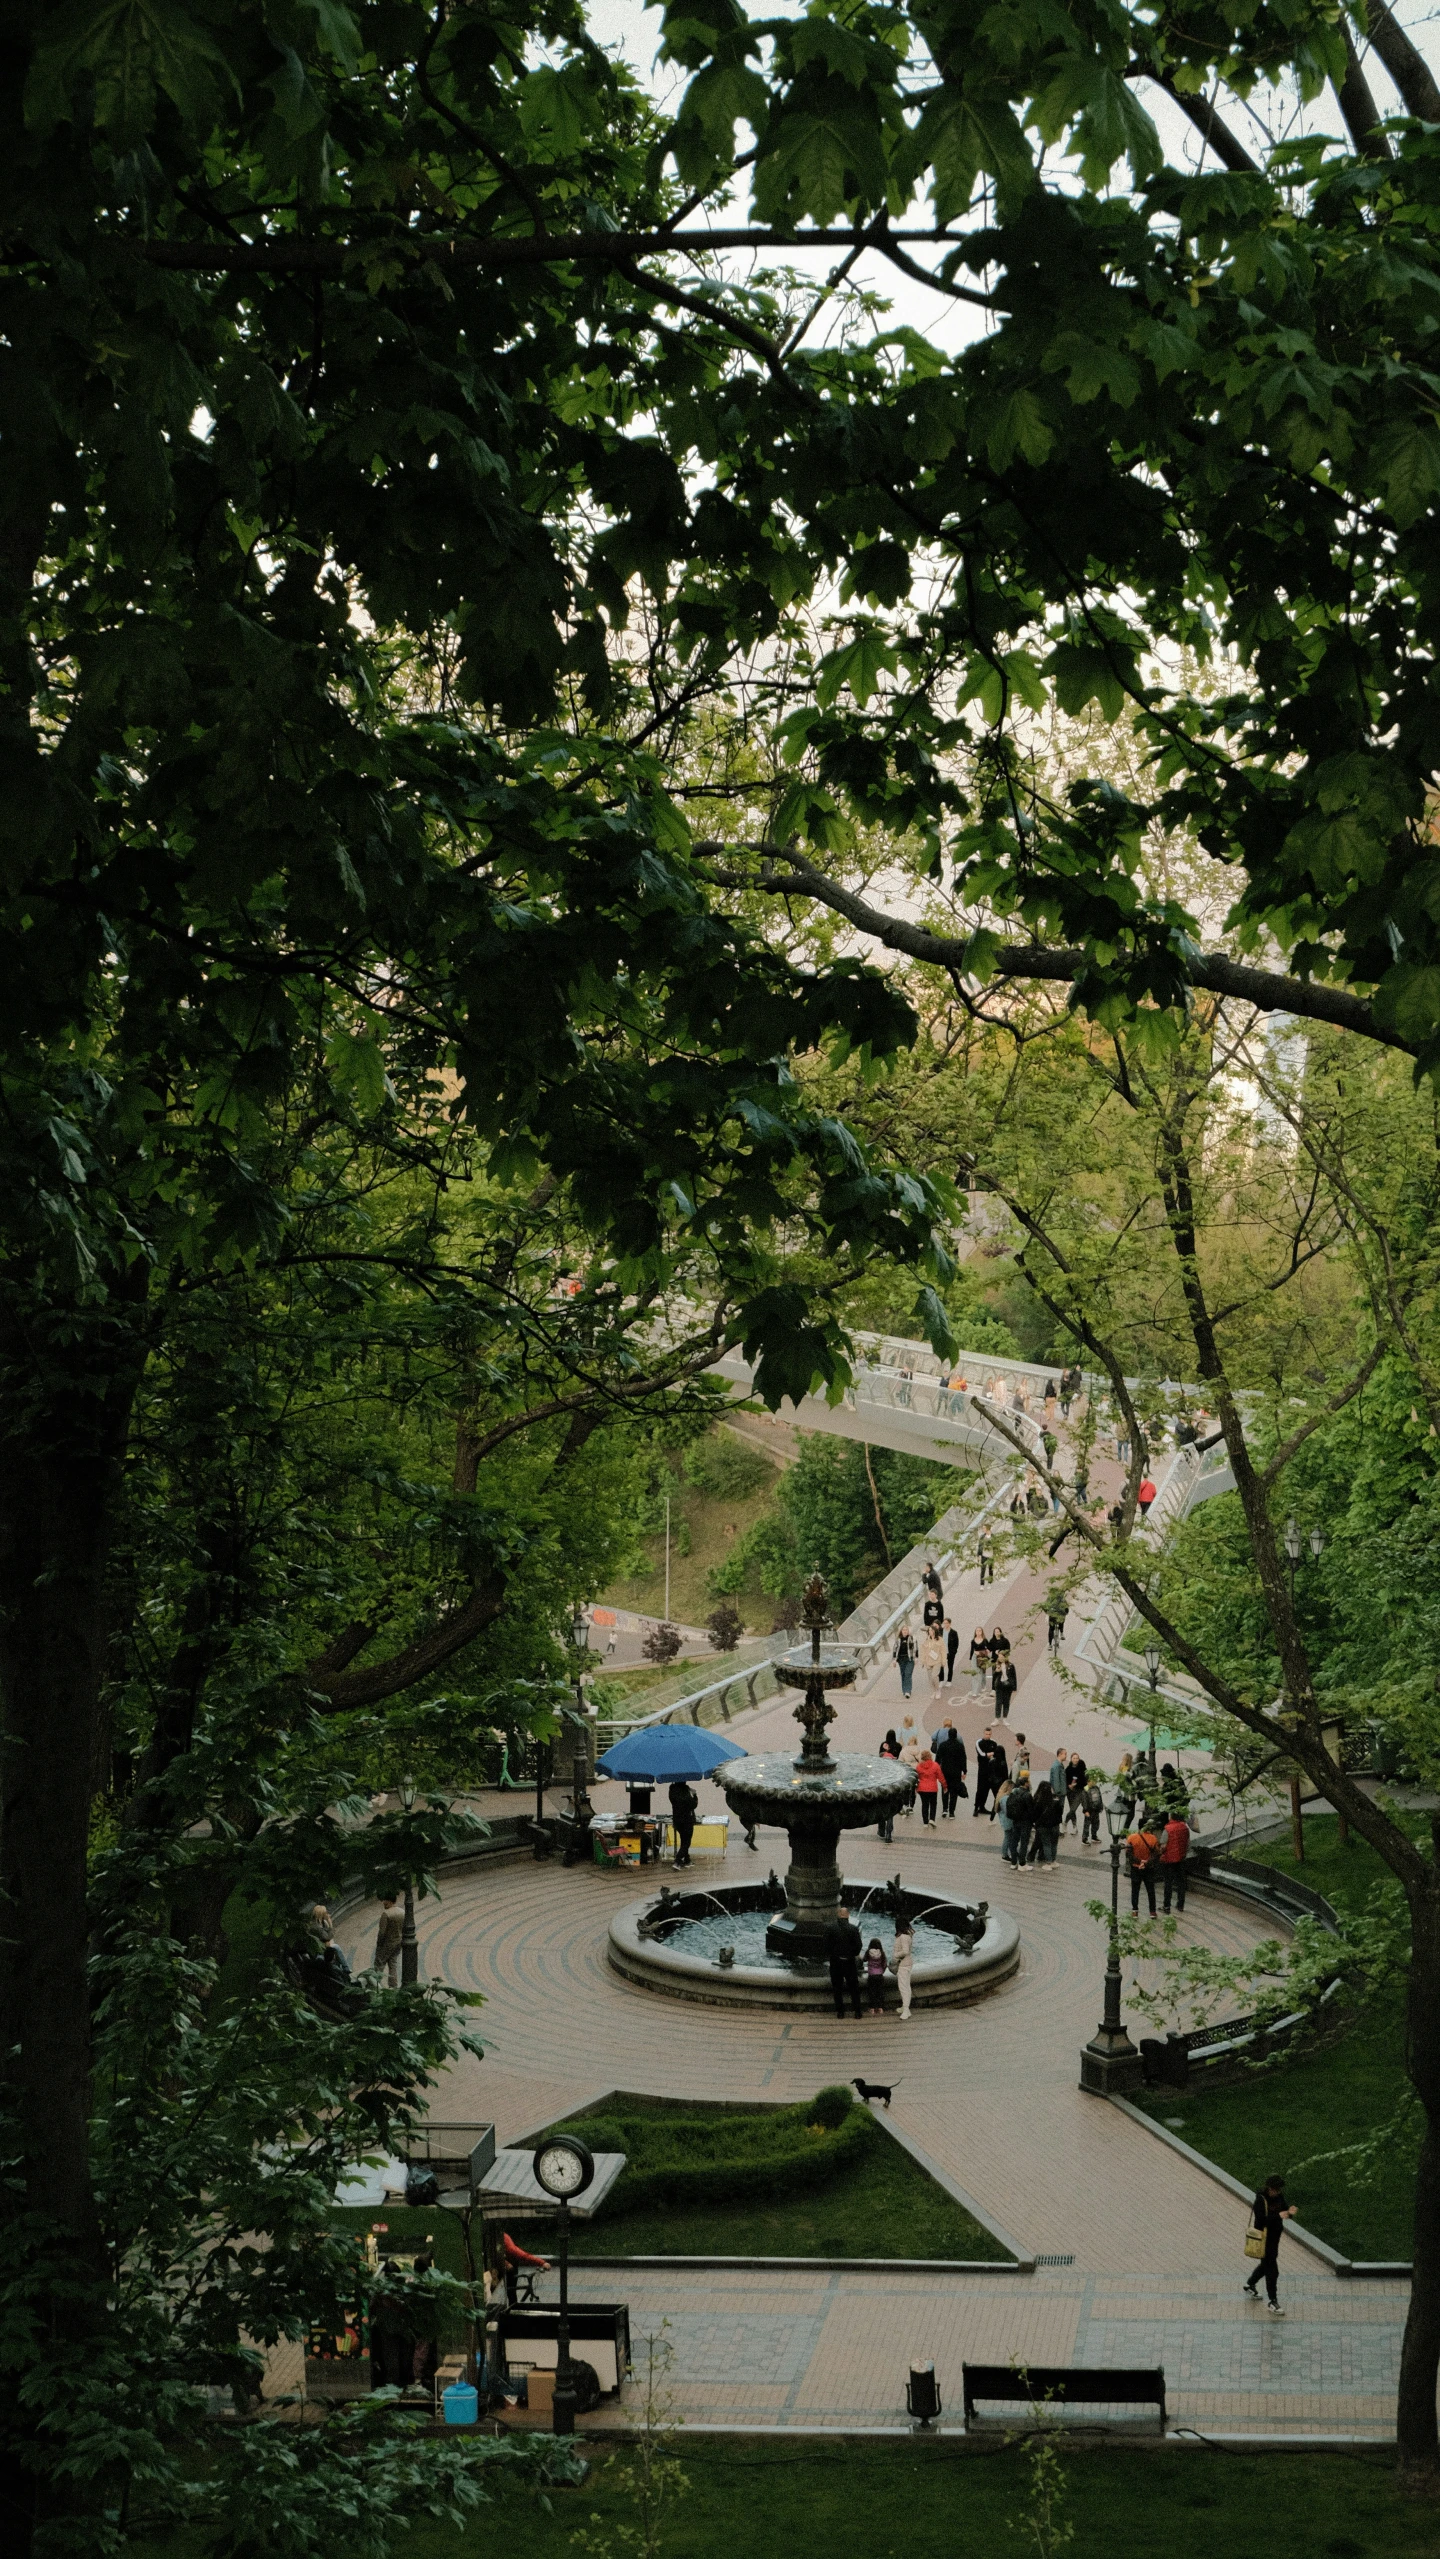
(789, 2498)
(880, 2203)
(1282, 2117)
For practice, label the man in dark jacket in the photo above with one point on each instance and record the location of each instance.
(842, 1953)
(684, 1805)
(952, 1647)
(991, 1770)
(951, 1754)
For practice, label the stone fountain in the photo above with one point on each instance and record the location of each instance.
(712, 1945)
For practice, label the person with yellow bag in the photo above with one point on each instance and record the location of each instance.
(1262, 2240)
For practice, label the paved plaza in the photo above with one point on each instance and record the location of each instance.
(988, 2093)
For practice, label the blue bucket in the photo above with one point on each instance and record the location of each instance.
(461, 2404)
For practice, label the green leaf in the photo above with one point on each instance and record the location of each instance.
(818, 162)
(1091, 367)
(1020, 426)
(718, 98)
(129, 49)
(556, 110)
(860, 664)
(960, 136)
(1408, 999)
(357, 1070)
(1406, 461)
(1103, 118)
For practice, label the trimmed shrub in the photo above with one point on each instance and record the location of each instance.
(730, 2158)
(832, 2106)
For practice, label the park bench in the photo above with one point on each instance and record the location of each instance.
(1114, 2385)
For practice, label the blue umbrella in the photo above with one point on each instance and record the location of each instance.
(663, 1751)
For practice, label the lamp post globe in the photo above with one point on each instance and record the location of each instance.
(563, 2169)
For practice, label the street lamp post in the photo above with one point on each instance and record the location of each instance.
(1153, 1660)
(409, 1943)
(1294, 1543)
(1109, 2063)
(564, 2168)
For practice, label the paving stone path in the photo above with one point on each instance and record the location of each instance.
(988, 2092)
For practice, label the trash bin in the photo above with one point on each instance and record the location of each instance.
(461, 2404)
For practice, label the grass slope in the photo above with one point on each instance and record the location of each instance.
(711, 1523)
(1276, 2122)
(879, 2202)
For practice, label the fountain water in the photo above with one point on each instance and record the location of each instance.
(813, 1798)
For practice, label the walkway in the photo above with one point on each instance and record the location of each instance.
(989, 2093)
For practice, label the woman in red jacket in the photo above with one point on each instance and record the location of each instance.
(929, 1778)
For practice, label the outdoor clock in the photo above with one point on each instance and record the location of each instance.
(563, 2167)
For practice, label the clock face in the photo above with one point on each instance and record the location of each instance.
(563, 2168)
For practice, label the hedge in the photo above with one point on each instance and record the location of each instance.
(682, 2159)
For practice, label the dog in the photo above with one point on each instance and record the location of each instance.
(869, 2090)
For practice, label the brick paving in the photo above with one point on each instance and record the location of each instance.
(989, 2092)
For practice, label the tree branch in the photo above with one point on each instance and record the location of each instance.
(1297, 1439)
(1405, 62)
(1207, 120)
(1270, 991)
(1357, 105)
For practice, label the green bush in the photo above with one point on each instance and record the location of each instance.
(832, 2106)
(725, 1468)
(728, 2158)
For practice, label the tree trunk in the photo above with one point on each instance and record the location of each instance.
(59, 1480)
(1415, 2416)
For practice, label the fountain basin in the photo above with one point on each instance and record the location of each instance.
(648, 1945)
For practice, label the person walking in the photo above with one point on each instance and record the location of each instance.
(932, 1655)
(979, 1661)
(1094, 1805)
(684, 1805)
(1074, 1788)
(889, 1749)
(905, 1656)
(1145, 1497)
(1143, 1849)
(1003, 1794)
(931, 1583)
(985, 1557)
(1269, 2213)
(952, 1647)
(1004, 1678)
(954, 1760)
(1174, 1849)
(389, 1937)
(928, 1783)
(1048, 1808)
(1022, 1816)
(1127, 1786)
(1056, 1774)
(991, 1770)
(875, 1968)
(902, 1959)
(912, 1751)
(842, 1954)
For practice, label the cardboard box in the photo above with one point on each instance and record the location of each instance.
(540, 2393)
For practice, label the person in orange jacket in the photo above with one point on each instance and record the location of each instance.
(929, 1778)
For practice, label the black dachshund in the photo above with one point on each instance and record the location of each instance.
(870, 2091)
